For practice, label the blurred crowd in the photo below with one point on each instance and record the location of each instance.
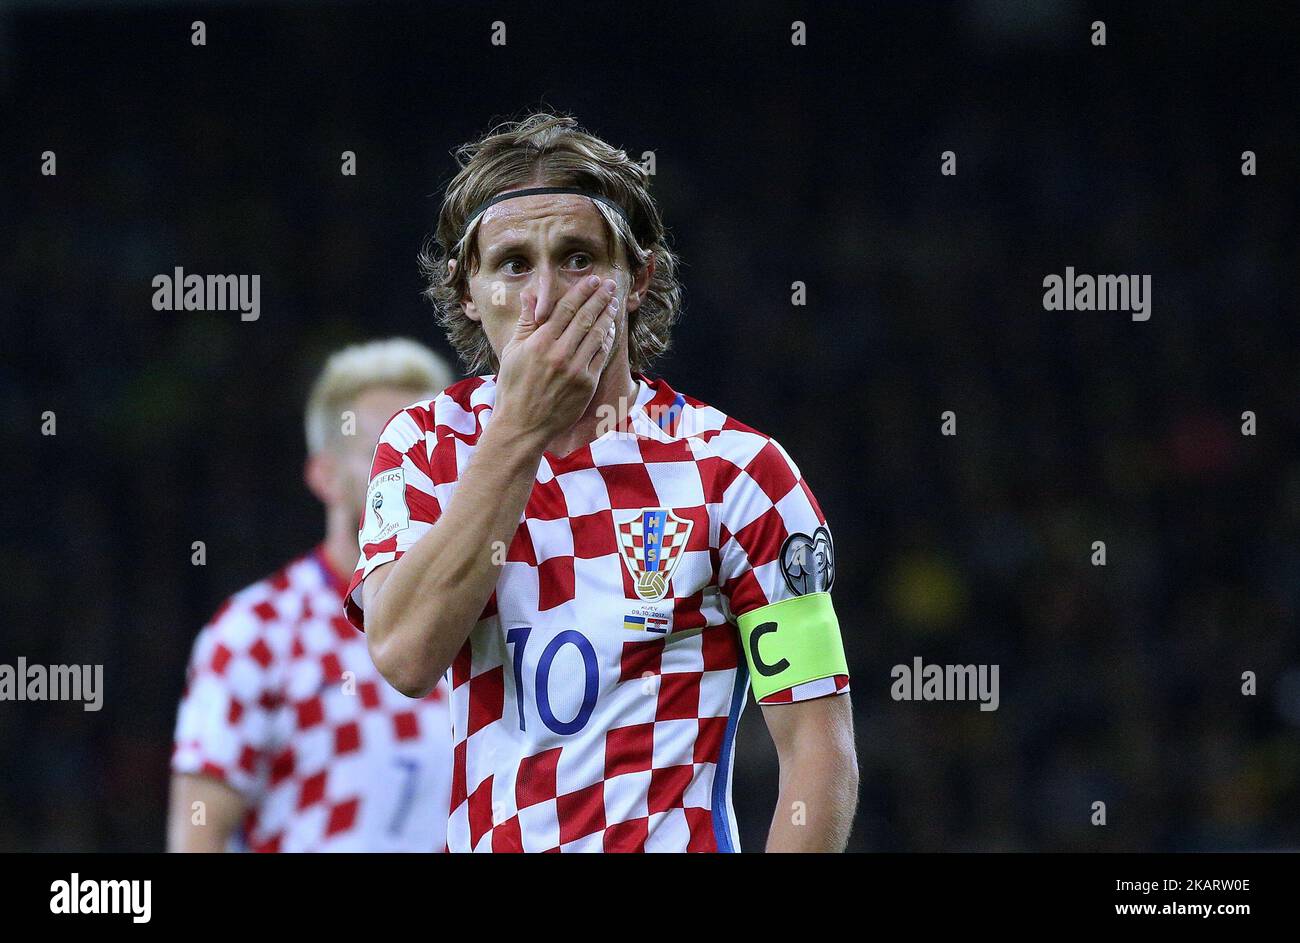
(775, 164)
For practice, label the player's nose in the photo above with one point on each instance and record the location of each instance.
(548, 285)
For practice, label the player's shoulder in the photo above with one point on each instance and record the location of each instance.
(721, 436)
(276, 600)
(455, 408)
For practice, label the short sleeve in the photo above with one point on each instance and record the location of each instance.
(224, 725)
(400, 505)
(775, 545)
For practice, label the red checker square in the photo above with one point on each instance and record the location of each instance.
(629, 749)
(546, 502)
(708, 741)
(442, 466)
(593, 535)
(347, 738)
(330, 667)
(536, 780)
(248, 759)
(652, 450)
(771, 472)
(458, 788)
(641, 658)
(718, 474)
(234, 712)
(627, 837)
(720, 647)
(386, 457)
(668, 788)
(369, 693)
(629, 486)
(461, 665)
(506, 837)
(269, 846)
(679, 696)
(310, 713)
(555, 582)
(423, 507)
(762, 537)
(342, 817)
(487, 697)
(700, 824)
(687, 614)
(581, 813)
(745, 593)
(521, 549)
(312, 790)
(406, 726)
(220, 658)
(480, 811)
(265, 611)
(282, 767)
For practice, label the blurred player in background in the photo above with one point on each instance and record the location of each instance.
(287, 734)
(604, 564)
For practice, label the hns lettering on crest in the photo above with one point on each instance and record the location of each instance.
(386, 510)
(652, 544)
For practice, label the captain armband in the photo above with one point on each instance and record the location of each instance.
(792, 642)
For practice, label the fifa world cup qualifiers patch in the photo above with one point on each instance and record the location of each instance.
(386, 511)
(792, 642)
(808, 563)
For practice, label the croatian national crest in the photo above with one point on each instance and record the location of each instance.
(652, 544)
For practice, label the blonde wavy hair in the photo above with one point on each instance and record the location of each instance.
(546, 149)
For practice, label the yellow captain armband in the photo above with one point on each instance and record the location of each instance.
(792, 642)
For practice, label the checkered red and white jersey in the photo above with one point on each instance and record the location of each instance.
(595, 703)
(283, 703)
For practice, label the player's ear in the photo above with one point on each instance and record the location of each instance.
(466, 300)
(320, 474)
(641, 284)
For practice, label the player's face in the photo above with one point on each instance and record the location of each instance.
(536, 248)
(373, 409)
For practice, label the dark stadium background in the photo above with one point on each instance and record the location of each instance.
(775, 164)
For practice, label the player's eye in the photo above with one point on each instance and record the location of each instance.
(508, 263)
(583, 259)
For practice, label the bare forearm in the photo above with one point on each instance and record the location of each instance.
(203, 814)
(432, 597)
(814, 811)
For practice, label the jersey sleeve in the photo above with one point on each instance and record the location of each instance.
(776, 569)
(224, 725)
(400, 505)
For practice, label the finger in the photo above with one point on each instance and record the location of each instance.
(527, 318)
(585, 320)
(568, 306)
(595, 347)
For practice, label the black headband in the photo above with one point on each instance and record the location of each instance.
(536, 191)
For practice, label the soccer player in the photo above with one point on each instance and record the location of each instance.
(287, 734)
(604, 564)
